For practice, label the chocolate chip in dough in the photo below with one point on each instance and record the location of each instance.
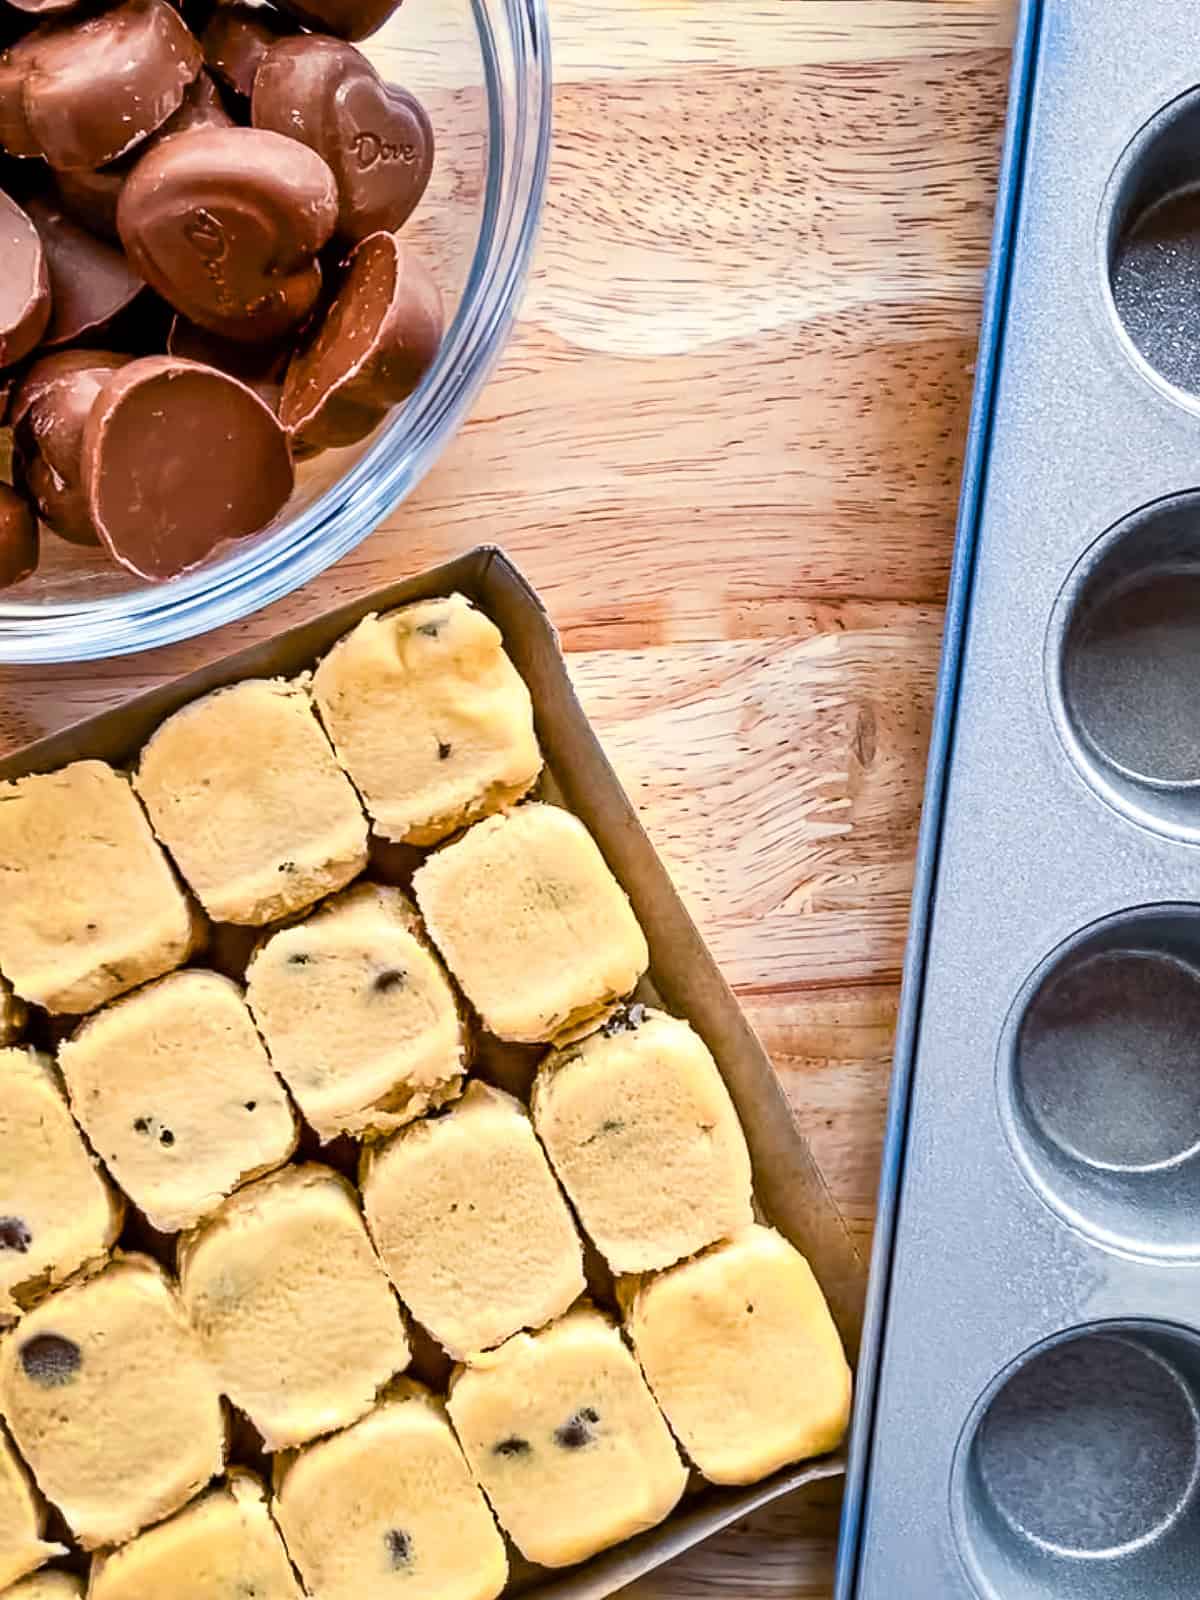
(628, 1019)
(511, 1447)
(386, 982)
(444, 750)
(578, 1431)
(399, 1546)
(15, 1235)
(50, 1360)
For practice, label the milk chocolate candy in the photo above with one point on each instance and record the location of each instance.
(16, 65)
(177, 459)
(236, 40)
(40, 9)
(376, 342)
(86, 92)
(376, 138)
(18, 537)
(260, 366)
(91, 283)
(91, 197)
(226, 223)
(49, 412)
(24, 284)
(345, 19)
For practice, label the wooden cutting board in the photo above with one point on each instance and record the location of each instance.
(725, 443)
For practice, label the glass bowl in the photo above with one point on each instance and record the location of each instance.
(482, 70)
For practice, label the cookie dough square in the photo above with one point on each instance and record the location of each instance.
(644, 1138)
(293, 1309)
(173, 1087)
(22, 1520)
(564, 1436)
(222, 1546)
(532, 923)
(47, 1586)
(470, 1224)
(90, 905)
(13, 1015)
(361, 1020)
(243, 789)
(57, 1214)
(743, 1356)
(111, 1402)
(390, 1501)
(430, 718)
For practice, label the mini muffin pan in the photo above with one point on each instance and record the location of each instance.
(1028, 1419)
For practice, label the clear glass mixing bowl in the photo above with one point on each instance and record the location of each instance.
(482, 70)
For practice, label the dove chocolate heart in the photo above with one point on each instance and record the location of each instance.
(91, 197)
(375, 344)
(82, 93)
(49, 412)
(24, 284)
(345, 19)
(91, 283)
(178, 458)
(376, 139)
(236, 40)
(18, 537)
(226, 223)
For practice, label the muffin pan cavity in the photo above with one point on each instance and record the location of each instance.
(1100, 1081)
(1153, 244)
(1077, 1476)
(1124, 660)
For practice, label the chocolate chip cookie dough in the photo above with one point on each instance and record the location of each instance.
(563, 1435)
(111, 1402)
(292, 1306)
(743, 1356)
(532, 923)
(174, 1088)
(359, 1015)
(47, 1586)
(429, 717)
(22, 1520)
(244, 791)
(644, 1138)
(470, 1223)
(390, 1499)
(90, 906)
(223, 1545)
(57, 1213)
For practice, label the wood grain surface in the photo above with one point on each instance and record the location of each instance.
(725, 443)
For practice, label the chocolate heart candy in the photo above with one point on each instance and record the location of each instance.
(91, 197)
(49, 412)
(24, 283)
(374, 345)
(177, 459)
(91, 283)
(377, 139)
(345, 19)
(236, 40)
(18, 537)
(226, 223)
(44, 8)
(83, 93)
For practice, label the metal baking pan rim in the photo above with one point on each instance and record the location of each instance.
(1026, 52)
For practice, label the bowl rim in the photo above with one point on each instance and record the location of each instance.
(518, 86)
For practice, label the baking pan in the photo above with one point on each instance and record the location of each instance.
(683, 976)
(1028, 1415)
